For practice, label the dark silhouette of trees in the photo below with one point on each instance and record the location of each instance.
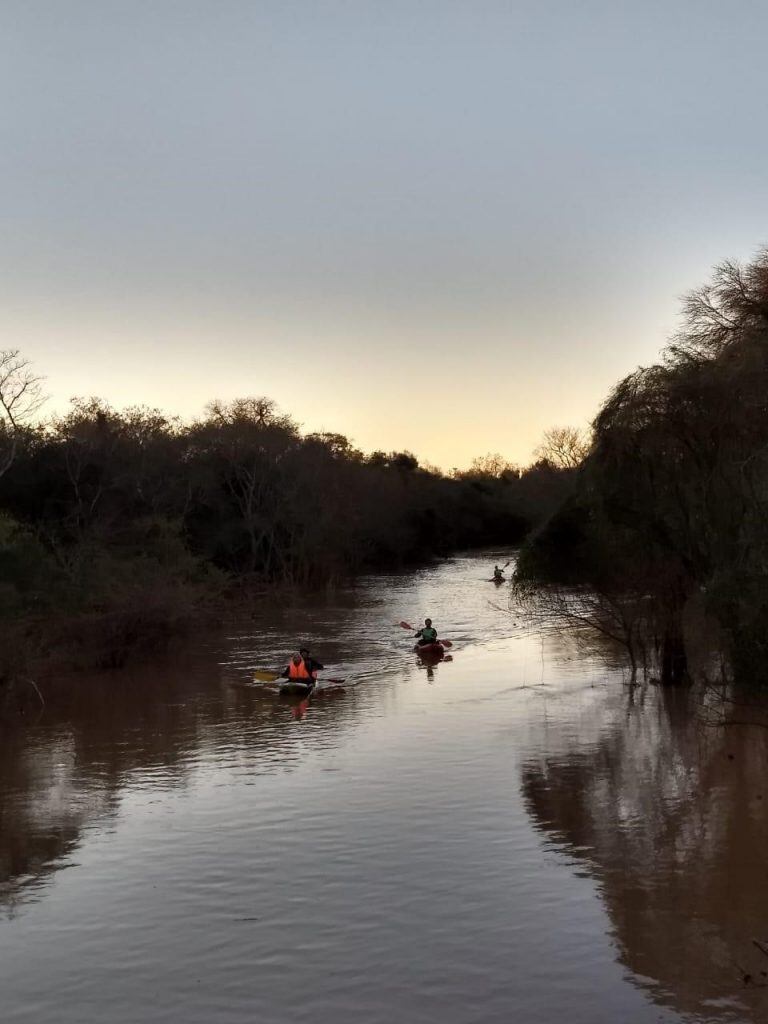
(492, 466)
(120, 524)
(671, 501)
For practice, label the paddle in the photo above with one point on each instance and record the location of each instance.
(263, 676)
(407, 625)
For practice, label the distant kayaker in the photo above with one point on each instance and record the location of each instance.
(427, 635)
(498, 574)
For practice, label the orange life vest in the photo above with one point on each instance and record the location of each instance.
(298, 671)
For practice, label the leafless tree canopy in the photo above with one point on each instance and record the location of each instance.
(21, 396)
(564, 447)
(492, 466)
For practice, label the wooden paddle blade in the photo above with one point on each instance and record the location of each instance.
(446, 643)
(263, 676)
(405, 625)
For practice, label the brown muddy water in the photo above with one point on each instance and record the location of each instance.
(509, 836)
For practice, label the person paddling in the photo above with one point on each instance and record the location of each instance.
(426, 635)
(498, 574)
(298, 671)
(312, 665)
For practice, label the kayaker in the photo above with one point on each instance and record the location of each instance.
(426, 635)
(498, 574)
(298, 671)
(313, 666)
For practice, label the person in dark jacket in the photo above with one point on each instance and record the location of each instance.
(313, 666)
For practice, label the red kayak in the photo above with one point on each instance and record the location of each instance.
(434, 650)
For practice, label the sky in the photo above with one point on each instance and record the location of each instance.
(438, 225)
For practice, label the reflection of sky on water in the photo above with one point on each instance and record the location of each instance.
(225, 858)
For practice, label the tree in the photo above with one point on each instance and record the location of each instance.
(564, 447)
(21, 396)
(338, 445)
(251, 412)
(491, 466)
(241, 453)
(672, 502)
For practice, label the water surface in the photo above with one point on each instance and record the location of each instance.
(511, 835)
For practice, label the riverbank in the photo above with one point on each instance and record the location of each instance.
(117, 527)
(147, 622)
(138, 620)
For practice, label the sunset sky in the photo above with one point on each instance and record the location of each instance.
(435, 225)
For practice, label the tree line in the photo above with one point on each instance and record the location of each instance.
(668, 519)
(124, 522)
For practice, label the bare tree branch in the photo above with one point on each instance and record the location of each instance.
(564, 447)
(21, 397)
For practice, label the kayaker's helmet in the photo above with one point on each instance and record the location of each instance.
(304, 652)
(297, 659)
(427, 622)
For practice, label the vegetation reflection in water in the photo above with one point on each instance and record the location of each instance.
(669, 817)
(401, 814)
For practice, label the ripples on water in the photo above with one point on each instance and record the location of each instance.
(503, 837)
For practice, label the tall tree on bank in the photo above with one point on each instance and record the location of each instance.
(672, 501)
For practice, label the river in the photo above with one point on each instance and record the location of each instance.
(512, 835)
